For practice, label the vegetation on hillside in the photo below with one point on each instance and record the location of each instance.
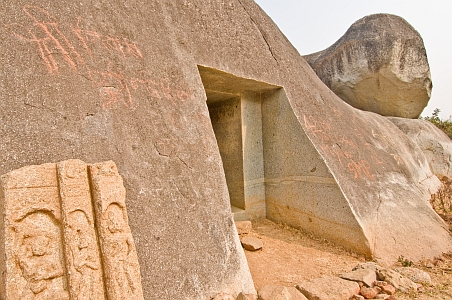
(442, 201)
(444, 125)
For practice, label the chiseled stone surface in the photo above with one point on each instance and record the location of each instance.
(49, 235)
(83, 262)
(379, 65)
(119, 256)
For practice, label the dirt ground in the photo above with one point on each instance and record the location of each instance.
(290, 256)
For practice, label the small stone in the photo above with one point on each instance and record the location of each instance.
(272, 292)
(367, 276)
(383, 296)
(385, 287)
(357, 297)
(396, 279)
(329, 287)
(370, 292)
(415, 275)
(251, 243)
(243, 227)
(223, 296)
(242, 296)
(388, 289)
(368, 265)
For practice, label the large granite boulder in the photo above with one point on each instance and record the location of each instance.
(379, 65)
(435, 144)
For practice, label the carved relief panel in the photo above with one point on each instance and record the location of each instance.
(55, 245)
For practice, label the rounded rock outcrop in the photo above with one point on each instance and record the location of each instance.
(435, 144)
(379, 65)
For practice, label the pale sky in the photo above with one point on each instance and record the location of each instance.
(313, 25)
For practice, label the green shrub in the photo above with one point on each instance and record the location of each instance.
(444, 125)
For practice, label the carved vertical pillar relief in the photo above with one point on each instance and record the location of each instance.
(119, 254)
(55, 245)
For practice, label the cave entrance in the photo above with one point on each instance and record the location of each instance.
(235, 108)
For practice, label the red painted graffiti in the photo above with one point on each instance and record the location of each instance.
(76, 49)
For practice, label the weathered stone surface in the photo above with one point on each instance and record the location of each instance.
(97, 82)
(119, 256)
(83, 261)
(414, 274)
(435, 144)
(271, 292)
(33, 264)
(396, 279)
(49, 234)
(251, 243)
(328, 287)
(379, 65)
(367, 276)
(243, 227)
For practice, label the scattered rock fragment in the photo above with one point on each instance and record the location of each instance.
(396, 279)
(251, 243)
(272, 292)
(367, 276)
(328, 287)
(386, 288)
(243, 227)
(357, 297)
(415, 275)
(368, 265)
(223, 296)
(370, 292)
(242, 296)
(383, 296)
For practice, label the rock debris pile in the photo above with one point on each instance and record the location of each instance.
(366, 281)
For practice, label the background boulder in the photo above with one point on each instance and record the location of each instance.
(379, 65)
(435, 144)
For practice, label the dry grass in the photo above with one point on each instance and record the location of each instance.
(442, 201)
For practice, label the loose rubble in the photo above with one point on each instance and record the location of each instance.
(250, 243)
(366, 281)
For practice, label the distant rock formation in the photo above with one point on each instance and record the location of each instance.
(379, 65)
(435, 144)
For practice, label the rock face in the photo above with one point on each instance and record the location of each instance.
(435, 144)
(379, 65)
(51, 205)
(149, 84)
